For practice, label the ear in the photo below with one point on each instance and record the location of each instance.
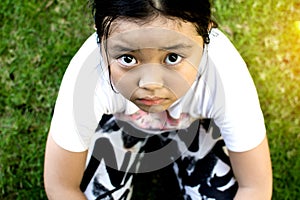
(211, 25)
(206, 36)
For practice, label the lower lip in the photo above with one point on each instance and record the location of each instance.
(151, 102)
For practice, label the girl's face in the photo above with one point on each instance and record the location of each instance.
(153, 64)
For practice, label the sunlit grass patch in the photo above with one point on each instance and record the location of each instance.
(268, 37)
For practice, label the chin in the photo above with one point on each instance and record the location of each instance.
(153, 109)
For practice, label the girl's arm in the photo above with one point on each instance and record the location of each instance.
(253, 172)
(63, 172)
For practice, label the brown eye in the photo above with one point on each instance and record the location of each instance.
(173, 59)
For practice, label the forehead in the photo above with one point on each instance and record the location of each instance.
(160, 32)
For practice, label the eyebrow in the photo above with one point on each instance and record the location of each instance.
(120, 48)
(178, 46)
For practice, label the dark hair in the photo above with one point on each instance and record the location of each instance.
(197, 12)
(105, 12)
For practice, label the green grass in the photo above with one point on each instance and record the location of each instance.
(38, 39)
(265, 33)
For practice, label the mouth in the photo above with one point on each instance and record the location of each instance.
(151, 101)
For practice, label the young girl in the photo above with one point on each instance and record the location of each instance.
(157, 104)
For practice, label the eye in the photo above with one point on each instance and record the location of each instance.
(173, 59)
(127, 60)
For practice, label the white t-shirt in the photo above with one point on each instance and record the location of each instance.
(224, 91)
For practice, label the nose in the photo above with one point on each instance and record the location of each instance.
(151, 78)
(150, 85)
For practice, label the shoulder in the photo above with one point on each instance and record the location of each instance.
(234, 101)
(73, 120)
(89, 45)
(222, 51)
(218, 37)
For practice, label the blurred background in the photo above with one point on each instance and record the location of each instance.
(38, 39)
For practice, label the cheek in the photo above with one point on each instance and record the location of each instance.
(180, 81)
(124, 81)
(191, 68)
(188, 70)
(115, 74)
(190, 74)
